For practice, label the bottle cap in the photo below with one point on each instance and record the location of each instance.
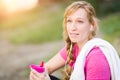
(42, 64)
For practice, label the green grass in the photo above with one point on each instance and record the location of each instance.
(39, 26)
(110, 26)
(46, 32)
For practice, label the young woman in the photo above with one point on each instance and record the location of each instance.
(84, 57)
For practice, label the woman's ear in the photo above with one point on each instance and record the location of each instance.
(91, 28)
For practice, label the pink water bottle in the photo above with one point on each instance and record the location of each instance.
(41, 69)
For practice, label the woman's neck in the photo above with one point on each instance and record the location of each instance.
(81, 44)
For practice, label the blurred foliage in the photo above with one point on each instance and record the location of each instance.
(103, 7)
(110, 7)
(110, 26)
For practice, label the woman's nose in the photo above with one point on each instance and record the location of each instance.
(73, 26)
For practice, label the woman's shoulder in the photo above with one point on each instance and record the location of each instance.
(96, 65)
(95, 52)
(97, 57)
(63, 53)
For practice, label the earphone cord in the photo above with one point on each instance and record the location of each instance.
(67, 60)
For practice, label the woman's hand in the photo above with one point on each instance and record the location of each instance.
(34, 75)
(50, 67)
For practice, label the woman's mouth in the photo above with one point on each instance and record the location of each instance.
(74, 34)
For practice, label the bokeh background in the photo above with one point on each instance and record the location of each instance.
(31, 31)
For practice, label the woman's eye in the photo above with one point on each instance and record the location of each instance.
(79, 21)
(69, 21)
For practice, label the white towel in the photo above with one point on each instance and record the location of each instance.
(109, 52)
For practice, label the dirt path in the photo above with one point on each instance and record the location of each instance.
(15, 60)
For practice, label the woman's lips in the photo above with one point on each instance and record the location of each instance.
(74, 34)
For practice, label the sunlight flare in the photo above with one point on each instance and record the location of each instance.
(12, 6)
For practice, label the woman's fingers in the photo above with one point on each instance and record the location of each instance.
(34, 75)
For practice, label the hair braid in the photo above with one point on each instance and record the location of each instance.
(70, 58)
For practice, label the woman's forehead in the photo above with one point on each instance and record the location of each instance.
(79, 13)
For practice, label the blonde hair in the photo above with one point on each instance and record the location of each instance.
(92, 19)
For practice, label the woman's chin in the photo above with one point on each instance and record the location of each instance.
(74, 40)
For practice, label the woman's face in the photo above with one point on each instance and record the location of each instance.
(78, 26)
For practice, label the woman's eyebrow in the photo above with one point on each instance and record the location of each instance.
(76, 18)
